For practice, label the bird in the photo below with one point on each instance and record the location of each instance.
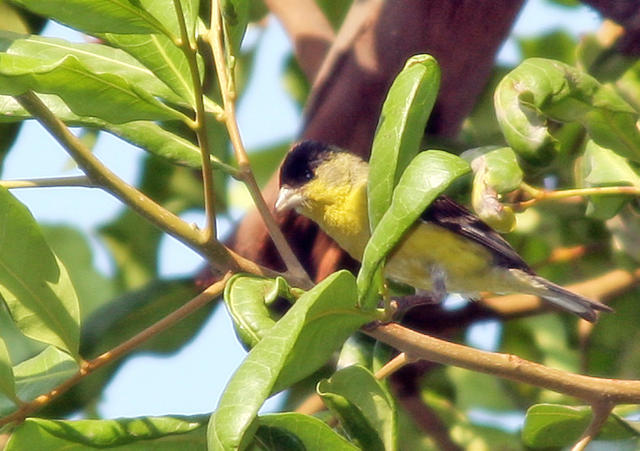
(447, 250)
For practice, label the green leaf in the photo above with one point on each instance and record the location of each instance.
(20, 346)
(39, 375)
(95, 16)
(280, 429)
(158, 433)
(426, 177)
(603, 167)
(246, 299)
(145, 134)
(539, 90)
(159, 54)
(70, 245)
(357, 350)
(7, 379)
(235, 15)
(496, 171)
(548, 425)
(364, 406)
(33, 282)
(400, 129)
(320, 320)
(98, 58)
(104, 95)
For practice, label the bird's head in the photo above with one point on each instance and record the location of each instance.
(316, 176)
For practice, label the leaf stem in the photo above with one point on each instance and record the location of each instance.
(188, 47)
(227, 89)
(540, 195)
(88, 367)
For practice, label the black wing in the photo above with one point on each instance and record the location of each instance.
(446, 213)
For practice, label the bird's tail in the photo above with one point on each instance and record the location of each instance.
(565, 299)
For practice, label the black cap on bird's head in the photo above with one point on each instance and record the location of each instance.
(298, 168)
(301, 162)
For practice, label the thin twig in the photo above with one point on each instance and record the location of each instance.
(189, 49)
(393, 365)
(590, 389)
(119, 351)
(601, 412)
(217, 255)
(539, 195)
(227, 88)
(53, 182)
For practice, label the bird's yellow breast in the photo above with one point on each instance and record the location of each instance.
(427, 248)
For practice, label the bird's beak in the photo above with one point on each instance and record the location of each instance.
(288, 199)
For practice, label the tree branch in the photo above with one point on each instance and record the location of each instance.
(591, 389)
(308, 29)
(119, 351)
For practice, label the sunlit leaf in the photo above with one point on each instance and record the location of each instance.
(113, 98)
(235, 15)
(33, 282)
(7, 379)
(283, 356)
(363, 405)
(246, 299)
(549, 425)
(277, 431)
(39, 375)
(72, 247)
(97, 58)
(159, 54)
(144, 134)
(539, 90)
(94, 16)
(400, 128)
(157, 433)
(603, 167)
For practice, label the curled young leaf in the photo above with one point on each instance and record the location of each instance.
(540, 90)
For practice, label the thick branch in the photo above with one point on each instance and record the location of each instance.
(308, 29)
(590, 389)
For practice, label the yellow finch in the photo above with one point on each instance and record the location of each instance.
(448, 249)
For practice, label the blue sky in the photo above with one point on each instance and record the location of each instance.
(192, 380)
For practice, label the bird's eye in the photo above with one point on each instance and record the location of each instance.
(308, 175)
